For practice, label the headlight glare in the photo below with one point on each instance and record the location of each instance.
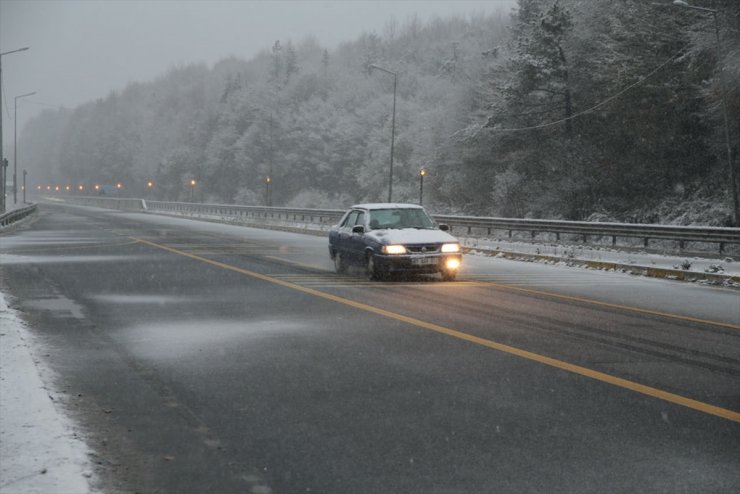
(394, 249)
(453, 264)
(448, 248)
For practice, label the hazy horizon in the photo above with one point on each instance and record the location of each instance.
(83, 50)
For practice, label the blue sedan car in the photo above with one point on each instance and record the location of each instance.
(387, 238)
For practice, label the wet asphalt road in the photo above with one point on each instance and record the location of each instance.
(211, 359)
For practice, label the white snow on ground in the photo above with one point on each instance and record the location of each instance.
(486, 246)
(39, 452)
(637, 258)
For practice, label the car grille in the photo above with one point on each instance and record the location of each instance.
(423, 248)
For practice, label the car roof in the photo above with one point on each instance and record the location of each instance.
(386, 205)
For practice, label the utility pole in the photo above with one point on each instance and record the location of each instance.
(3, 161)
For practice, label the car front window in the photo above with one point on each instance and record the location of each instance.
(400, 218)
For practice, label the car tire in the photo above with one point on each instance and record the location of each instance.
(449, 275)
(339, 265)
(371, 269)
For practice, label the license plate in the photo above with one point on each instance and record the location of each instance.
(423, 261)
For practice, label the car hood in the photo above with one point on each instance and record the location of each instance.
(411, 236)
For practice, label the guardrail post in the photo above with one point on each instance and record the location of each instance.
(614, 240)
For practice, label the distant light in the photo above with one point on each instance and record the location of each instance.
(150, 184)
(193, 182)
(119, 185)
(422, 172)
(67, 187)
(96, 187)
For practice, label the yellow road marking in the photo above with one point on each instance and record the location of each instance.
(314, 267)
(558, 364)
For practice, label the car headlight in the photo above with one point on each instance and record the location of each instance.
(394, 249)
(448, 248)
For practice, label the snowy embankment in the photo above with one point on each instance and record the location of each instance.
(39, 451)
(689, 267)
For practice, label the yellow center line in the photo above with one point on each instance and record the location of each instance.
(558, 364)
(313, 267)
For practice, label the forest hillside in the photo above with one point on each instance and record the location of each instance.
(572, 109)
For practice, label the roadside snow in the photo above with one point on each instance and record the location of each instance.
(638, 258)
(39, 452)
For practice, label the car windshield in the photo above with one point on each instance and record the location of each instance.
(398, 218)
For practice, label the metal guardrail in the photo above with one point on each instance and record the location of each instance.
(311, 216)
(122, 203)
(460, 225)
(585, 229)
(16, 215)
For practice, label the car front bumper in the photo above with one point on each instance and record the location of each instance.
(417, 263)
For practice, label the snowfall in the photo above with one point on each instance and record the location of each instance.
(40, 450)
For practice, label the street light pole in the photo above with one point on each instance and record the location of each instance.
(393, 128)
(422, 174)
(24, 186)
(15, 144)
(3, 166)
(193, 182)
(733, 179)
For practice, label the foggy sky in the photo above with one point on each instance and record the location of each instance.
(83, 50)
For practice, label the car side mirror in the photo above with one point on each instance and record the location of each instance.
(444, 228)
(358, 229)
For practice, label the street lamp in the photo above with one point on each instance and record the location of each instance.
(193, 183)
(393, 127)
(270, 172)
(3, 164)
(422, 174)
(15, 145)
(733, 181)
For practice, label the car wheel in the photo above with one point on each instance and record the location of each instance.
(449, 275)
(339, 265)
(371, 270)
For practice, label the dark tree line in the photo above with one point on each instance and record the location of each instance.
(575, 109)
